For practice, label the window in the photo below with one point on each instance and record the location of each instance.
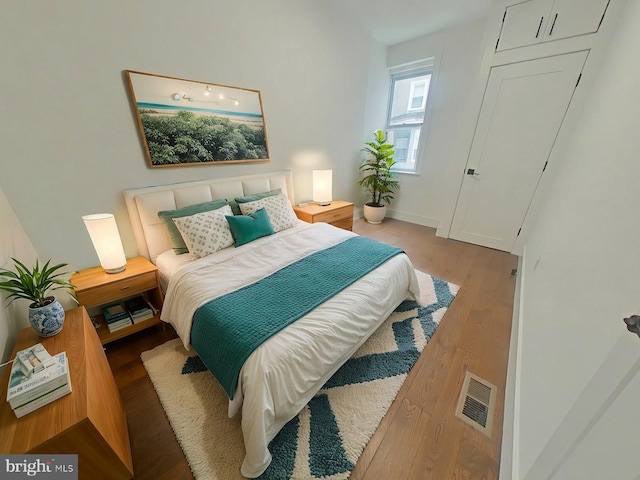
(407, 106)
(418, 95)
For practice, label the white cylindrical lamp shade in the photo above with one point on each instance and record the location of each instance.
(322, 188)
(104, 234)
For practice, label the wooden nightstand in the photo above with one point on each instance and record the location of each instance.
(95, 289)
(338, 213)
(90, 421)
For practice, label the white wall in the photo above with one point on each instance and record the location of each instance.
(430, 197)
(582, 258)
(13, 243)
(70, 143)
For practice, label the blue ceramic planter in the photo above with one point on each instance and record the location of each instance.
(47, 320)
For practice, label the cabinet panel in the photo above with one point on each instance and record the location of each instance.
(574, 17)
(535, 21)
(524, 24)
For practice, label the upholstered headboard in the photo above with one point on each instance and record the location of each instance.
(144, 204)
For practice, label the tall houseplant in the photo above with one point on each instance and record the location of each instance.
(46, 315)
(379, 181)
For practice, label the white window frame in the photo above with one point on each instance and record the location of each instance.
(423, 67)
(412, 95)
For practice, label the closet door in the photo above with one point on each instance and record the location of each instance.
(522, 111)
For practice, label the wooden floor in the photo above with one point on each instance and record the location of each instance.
(419, 438)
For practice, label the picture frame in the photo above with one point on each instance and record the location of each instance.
(186, 122)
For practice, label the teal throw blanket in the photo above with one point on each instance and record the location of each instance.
(226, 330)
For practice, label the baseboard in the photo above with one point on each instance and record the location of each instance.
(405, 217)
(509, 460)
(442, 231)
(411, 218)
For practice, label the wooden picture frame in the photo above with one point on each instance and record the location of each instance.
(186, 122)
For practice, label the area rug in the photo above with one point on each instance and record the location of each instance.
(327, 437)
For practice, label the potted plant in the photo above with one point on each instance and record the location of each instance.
(379, 181)
(46, 315)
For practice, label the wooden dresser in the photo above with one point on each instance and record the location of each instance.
(338, 213)
(89, 422)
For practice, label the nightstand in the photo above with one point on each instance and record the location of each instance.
(338, 213)
(96, 289)
(90, 421)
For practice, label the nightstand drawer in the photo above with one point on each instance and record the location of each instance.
(334, 215)
(114, 291)
(346, 224)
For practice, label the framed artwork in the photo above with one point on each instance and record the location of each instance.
(185, 122)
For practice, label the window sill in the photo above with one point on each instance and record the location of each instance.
(405, 172)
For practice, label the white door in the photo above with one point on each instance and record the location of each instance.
(523, 108)
(597, 439)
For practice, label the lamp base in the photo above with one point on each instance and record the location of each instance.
(324, 204)
(116, 269)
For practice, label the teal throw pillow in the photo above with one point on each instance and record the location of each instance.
(167, 216)
(250, 198)
(247, 228)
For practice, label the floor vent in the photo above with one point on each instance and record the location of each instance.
(476, 403)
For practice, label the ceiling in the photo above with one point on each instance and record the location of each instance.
(396, 21)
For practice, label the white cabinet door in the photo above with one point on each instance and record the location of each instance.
(574, 17)
(522, 111)
(535, 21)
(524, 24)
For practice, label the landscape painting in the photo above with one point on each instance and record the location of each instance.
(185, 122)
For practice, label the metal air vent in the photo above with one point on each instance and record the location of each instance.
(477, 403)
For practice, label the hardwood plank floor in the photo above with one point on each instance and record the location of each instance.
(419, 438)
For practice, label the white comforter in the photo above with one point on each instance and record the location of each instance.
(286, 371)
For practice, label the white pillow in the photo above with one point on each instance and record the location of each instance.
(207, 232)
(278, 208)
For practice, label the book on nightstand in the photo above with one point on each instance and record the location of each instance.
(117, 325)
(116, 316)
(139, 309)
(43, 400)
(114, 313)
(34, 359)
(35, 390)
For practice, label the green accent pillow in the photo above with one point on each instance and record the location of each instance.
(247, 228)
(167, 216)
(251, 198)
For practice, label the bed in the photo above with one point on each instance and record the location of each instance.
(276, 380)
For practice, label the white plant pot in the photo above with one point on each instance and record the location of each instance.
(374, 214)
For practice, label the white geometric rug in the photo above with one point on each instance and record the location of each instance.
(327, 437)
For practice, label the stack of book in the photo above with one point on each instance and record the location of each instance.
(116, 317)
(37, 379)
(139, 309)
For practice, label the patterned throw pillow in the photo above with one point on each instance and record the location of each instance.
(278, 208)
(167, 216)
(207, 232)
(250, 198)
